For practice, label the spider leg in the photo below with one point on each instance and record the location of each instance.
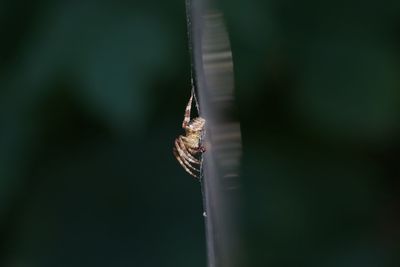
(186, 118)
(180, 144)
(184, 155)
(177, 156)
(196, 150)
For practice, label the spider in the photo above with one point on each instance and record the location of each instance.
(188, 146)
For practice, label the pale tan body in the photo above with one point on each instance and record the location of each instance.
(188, 146)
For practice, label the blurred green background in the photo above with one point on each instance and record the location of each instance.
(92, 95)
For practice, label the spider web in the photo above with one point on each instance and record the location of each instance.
(201, 138)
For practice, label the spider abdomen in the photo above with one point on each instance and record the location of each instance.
(192, 140)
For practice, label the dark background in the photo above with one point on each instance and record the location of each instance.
(92, 95)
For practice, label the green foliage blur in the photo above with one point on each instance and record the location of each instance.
(92, 95)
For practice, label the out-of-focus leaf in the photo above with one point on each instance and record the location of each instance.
(349, 88)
